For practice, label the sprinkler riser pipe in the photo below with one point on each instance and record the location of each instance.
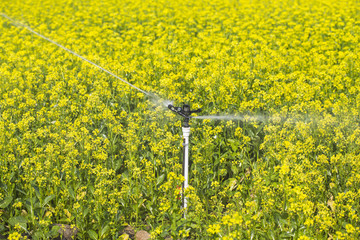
(186, 135)
(185, 112)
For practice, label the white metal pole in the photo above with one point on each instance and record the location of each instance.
(186, 134)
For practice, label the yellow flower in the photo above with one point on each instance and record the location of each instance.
(214, 229)
(15, 236)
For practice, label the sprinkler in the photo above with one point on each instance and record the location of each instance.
(185, 112)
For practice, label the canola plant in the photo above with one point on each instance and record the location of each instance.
(79, 147)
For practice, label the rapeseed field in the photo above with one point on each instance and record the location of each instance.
(79, 147)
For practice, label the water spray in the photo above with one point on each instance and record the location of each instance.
(185, 112)
(18, 24)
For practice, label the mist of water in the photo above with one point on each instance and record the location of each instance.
(18, 24)
(233, 117)
(160, 102)
(226, 117)
(166, 103)
(291, 118)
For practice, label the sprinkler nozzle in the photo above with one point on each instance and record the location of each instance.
(185, 112)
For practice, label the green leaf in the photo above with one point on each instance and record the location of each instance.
(71, 192)
(37, 191)
(149, 207)
(85, 212)
(93, 234)
(140, 202)
(91, 189)
(105, 230)
(160, 179)
(232, 183)
(235, 169)
(37, 234)
(48, 199)
(271, 235)
(18, 220)
(28, 205)
(2, 228)
(54, 232)
(287, 235)
(233, 144)
(7, 200)
(216, 162)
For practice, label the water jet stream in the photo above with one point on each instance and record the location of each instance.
(17, 23)
(230, 117)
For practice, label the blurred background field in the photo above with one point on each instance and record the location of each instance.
(82, 148)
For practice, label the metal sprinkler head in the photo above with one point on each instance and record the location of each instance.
(185, 112)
